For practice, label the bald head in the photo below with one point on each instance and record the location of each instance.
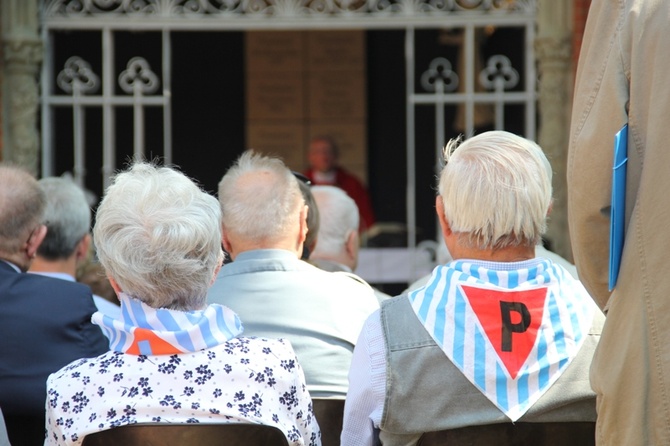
(22, 205)
(261, 203)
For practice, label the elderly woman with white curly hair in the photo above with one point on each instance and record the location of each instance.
(173, 358)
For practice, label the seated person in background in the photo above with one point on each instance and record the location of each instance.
(45, 323)
(324, 170)
(313, 220)
(66, 245)
(337, 244)
(497, 335)
(275, 293)
(173, 359)
(91, 273)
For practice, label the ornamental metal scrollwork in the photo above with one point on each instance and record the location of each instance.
(330, 9)
(439, 71)
(94, 7)
(77, 76)
(138, 75)
(499, 72)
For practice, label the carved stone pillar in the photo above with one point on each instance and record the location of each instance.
(553, 50)
(22, 54)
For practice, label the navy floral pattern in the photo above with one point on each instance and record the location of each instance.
(242, 380)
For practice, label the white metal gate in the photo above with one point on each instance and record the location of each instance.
(77, 87)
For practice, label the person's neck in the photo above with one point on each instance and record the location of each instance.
(341, 259)
(65, 266)
(508, 254)
(19, 260)
(242, 246)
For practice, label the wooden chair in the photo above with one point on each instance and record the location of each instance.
(188, 435)
(518, 434)
(329, 414)
(24, 429)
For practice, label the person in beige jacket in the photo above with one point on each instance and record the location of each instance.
(623, 77)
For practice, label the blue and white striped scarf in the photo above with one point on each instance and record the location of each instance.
(466, 306)
(143, 330)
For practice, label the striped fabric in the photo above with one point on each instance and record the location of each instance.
(466, 308)
(143, 330)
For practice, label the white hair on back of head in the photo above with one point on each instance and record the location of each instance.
(158, 235)
(496, 190)
(339, 217)
(260, 199)
(67, 216)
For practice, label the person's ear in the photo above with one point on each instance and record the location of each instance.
(444, 224)
(35, 240)
(225, 241)
(218, 267)
(115, 286)
(352, 244)
(303, 224)
(81, 251)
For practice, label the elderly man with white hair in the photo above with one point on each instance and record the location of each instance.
(274, 292)
(173, 358)
(497, 335)
(337, 243)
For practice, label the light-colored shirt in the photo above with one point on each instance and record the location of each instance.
(329, 265)
(14, 267)
(4, 440)
(180, 367)
(321, 313)
(367, 385)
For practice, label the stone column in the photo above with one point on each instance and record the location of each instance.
(553, 50)
(22, 54)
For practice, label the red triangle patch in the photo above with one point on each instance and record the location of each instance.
(511, 320)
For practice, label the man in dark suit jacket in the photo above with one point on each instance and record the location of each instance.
(45, 323)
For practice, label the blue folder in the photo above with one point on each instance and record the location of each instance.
(618, 210)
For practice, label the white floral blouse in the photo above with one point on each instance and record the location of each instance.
(238, 379)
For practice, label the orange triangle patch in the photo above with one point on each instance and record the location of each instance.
(146, 342)
(510, 319)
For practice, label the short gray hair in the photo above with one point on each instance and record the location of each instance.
(158, 235)
(260, 198)
(67, 216)
(22, 203)
(339, 217)
(496, 190)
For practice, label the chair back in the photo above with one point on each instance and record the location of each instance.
(232, 434)
(24, 429)
(518, 434)
(329, 414)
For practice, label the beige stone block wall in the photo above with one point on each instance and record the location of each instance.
(300, 84)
